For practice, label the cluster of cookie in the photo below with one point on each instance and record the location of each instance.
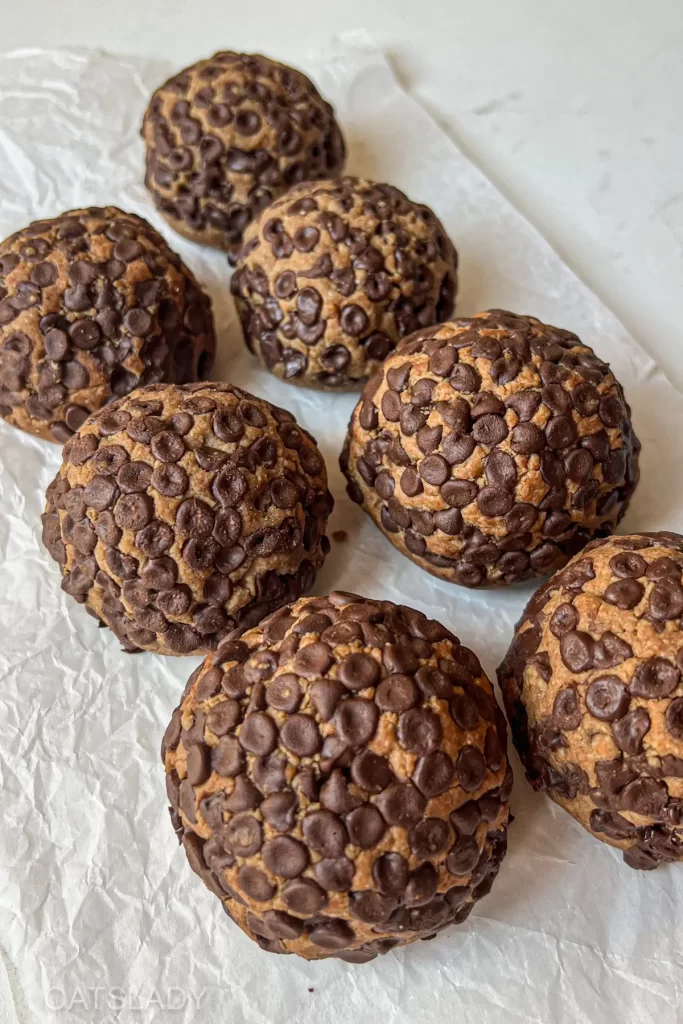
(337, 767)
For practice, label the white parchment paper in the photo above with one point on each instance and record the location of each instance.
(101, 918)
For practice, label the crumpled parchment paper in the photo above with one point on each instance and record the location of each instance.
(101, 918)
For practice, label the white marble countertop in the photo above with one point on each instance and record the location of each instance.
(574, 110)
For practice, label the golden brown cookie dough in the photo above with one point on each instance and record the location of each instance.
(593, 691)
(180, 513)
(93, 304)
(334, 274)
(490, 450)
(338, 778)
(227, 136)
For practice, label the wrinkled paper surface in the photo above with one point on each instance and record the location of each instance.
(101, 918)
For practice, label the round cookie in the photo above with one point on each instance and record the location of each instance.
(333, 274)
(180, 513)
(227, 136)
(93, 304)
(338, 778)
(490, 450)
(593, 690)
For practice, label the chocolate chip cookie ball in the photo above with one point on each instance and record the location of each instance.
(180, 513)
(93, 304)
(593, 689)
(490, 450)
(333, 274)
(227, 136)
(338, 778)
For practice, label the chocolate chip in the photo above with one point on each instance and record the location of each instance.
(284, 693)
(433, 773)
(674, 718)
(167, 446)
(198, 764)
(356, 720)
(254, 883)
(566, 709)
(325, 696)
(133, 511)
(666, 600)
(527, 439)
(372, 772)
(465, 378)
(399, 658)
(313, 660)
(227, 757)
(459, 493)
(419, 731)
(391, 406)
(630, 730)
(429, 838)
(100, 493)
(402, 804)
(261, 665)
(279, 810)
(410, 483)
(285, 857)
(644, 796)
(433, 683)
(170, 480)
(370, 906)
(625, 594)
(390, 874)
(611, 650)
(186, 801)
(494, 501)
(244, 835)
(654, 679)
(258, 734)
(490, 430)
(358, 671)
(325, 833)
(194, 518)
(396, 693)
(560, 432)
(494, 752)
(435, 470)
(607, 699)
(525, 403)
(422, 885)
(335, 794)
(269, 773)
(628, 564)
(466, 818)
(576, 650)
(470, 768)
(134, 476)
(283, 925)
(335, 874)
(300, 735)
(223, 717)
(464, 712)
(366, 826)
(660, 568)
(564, 619)
(160, 573)
(353, 320)
(332, 933)
(303, 896)
(456, 449)
(464, 856)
